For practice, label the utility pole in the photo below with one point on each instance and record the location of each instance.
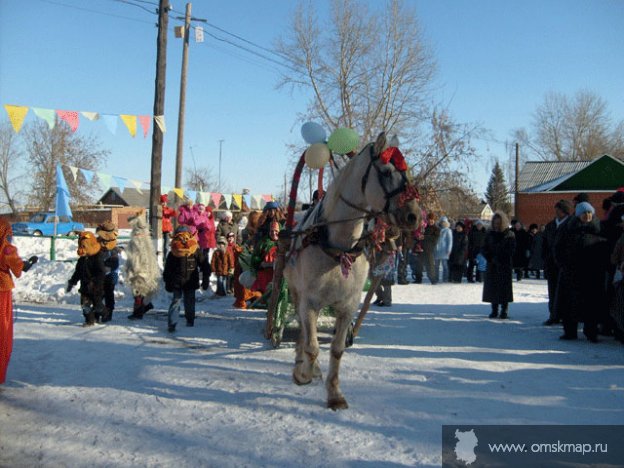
(516, 181)
(182, 108)
(220, 150)
(159, 110)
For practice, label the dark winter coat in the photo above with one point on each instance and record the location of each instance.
(476, 238)
(90, 272)
(459, 251)
(498, 250)
(224, 228)
(535, 260)
(583, 257)
(523, 248)
(552, 236)
(430, 240)
(183, 272)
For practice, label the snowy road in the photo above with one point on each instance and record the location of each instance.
(127, 394)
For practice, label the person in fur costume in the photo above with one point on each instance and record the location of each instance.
(90, 272)
(181, 275)
(107, 236)
(141, 267)
(222, 264)
(10, 265)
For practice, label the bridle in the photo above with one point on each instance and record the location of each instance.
(405, 187)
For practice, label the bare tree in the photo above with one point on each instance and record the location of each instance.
(200, 179)
(46, 148)
(10, 157)
(367, 72)
(577, 128)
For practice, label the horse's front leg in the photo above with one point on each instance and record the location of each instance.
(335, 398)
(307, 351)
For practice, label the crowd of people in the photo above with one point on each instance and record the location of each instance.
(579, 255)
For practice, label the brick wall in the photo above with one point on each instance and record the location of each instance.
(539, 207)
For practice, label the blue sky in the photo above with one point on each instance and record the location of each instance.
(496, 61)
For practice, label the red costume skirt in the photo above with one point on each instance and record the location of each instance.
(6, 332)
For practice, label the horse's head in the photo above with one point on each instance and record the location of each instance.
(387, 186)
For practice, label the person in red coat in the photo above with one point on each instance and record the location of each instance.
(167, 225)
(10, 263)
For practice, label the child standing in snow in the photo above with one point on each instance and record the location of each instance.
(222, 263)
(10, 263)
(90, 272)
(181, 275)
(107, 237)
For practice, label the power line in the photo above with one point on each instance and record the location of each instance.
(95, 11)
(127, 2)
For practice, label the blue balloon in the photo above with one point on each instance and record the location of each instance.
(313, 133)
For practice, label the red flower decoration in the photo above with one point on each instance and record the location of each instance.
(394, 155)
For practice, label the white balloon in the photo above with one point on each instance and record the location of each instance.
(317, 155)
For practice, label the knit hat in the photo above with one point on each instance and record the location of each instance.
(182, 228)
(459, 223)
(227, 214)
(222, 240)
(164, 198)
(584, 207)
(272, 205)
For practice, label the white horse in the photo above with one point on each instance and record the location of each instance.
(328, 269)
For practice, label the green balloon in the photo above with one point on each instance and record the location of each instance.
(343, 140)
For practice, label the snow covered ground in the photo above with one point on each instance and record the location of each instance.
(130, 394)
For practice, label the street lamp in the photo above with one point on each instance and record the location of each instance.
(220, 152)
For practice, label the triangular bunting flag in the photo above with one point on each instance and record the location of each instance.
(17, 114)
(191, 195)
(203, 198)
(120, 182)
(257, 202)
(74, 171)
(91, 115)
(238, 199)
(247, 200)
(179, 192)
(48, 115)
(267, 198)
(111, 122)
(131, 123)
(105, 179)
(160, 121)
(216, 199)
(228, 199)
(88, 175)
(137, 185)
(70, 117)
(145, 121)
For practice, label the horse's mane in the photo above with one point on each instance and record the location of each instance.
(334, 190)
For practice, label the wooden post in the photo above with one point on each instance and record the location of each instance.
(182, 108)
(159, 110)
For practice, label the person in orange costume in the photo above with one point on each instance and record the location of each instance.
(10, 262)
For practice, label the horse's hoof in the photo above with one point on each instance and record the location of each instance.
(300, 381)
(337, 403)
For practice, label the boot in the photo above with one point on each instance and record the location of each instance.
(503, 314)
(107, 315)
(89, 319)
(494, 313)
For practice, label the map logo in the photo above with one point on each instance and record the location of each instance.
(465, 447)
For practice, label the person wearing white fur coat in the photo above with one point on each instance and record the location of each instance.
(141, 267)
